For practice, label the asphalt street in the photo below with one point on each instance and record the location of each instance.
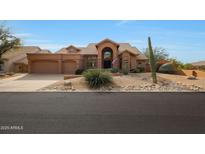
(137, 112)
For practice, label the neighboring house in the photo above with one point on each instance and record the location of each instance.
(105, 54)
(15, 60)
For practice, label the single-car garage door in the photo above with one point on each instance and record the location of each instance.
(69, 67)
(44, 67)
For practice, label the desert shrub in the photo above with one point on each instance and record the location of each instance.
(114, 70)
(125, 70)
(107, 69)
(101, 69)
(79, 71)
(1, 61)
(202, 67)
(177, 64)
(188, 66)
(168, 68)
(97, 78)
(141, 69)
(137, 70)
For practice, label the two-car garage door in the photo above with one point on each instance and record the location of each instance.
(44, 67)
(51, 67)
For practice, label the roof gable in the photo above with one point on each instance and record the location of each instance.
(128, 52)
(127, 47)
(107, 40)
(72, 48)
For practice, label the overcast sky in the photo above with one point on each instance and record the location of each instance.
(184, 40)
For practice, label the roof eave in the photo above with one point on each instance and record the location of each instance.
(129, 52)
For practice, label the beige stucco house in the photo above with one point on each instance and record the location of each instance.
(104, 54)
(15, 60)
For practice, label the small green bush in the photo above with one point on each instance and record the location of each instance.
(202, 67)
(1, 61)
(168, 68)
(125, 68)
(188, 66)
(79, 71)
(135, 70)
(97, 78)
(141, 69)
(102, 69)
(125, 72)
(114, 70)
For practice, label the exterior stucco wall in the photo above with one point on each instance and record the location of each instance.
(100, 49)
(17, 54)
(126, 59)
(9, 63)
(61, 60)
(133, 62)
(141, 63)
(87, 58)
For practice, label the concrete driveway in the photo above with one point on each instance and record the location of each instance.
(28, 82)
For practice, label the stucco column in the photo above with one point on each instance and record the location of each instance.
(29, 66)
(60, 66)
(77, 64)
(99, 62)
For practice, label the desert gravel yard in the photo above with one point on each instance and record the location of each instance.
(134, 82)
(122, 83)
(200, 81)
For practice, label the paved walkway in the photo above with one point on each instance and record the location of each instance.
(28, 82)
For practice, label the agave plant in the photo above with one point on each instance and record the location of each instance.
(97, 78)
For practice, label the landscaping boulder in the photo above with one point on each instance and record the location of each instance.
(168, 68)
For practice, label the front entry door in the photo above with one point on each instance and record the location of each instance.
(107, 64)
(107, 57)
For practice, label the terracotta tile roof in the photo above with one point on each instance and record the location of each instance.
(91, 49)
(20, 51)
(142, 57)
(107, 40)
(72, 48)
(25, 60)
(45, 51)
(19, 55)
(127, 47)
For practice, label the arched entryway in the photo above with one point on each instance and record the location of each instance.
(107, 57)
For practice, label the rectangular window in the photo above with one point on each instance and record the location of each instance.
(91, 62)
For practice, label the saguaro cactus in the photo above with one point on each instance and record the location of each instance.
(152, 61)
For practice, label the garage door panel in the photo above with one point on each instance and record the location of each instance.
(44, 67)
(69, 67)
